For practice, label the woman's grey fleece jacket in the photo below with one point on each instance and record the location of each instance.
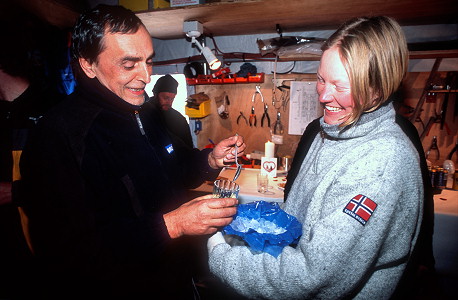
(344, 251)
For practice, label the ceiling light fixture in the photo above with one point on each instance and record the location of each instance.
(194, 29)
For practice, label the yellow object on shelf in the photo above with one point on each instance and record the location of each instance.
(203, 111)
(159, 4)
(135, 5)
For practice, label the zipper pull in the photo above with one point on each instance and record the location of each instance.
(322, 134)
(139, 122)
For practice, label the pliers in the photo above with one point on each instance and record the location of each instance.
(265, 115)
(252, 115)
(252, 118)
(258, 91)
(243, 117)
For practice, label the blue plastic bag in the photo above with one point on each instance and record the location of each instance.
(265, 227)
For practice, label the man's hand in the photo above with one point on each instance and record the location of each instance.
(200, 216)
(224, 152)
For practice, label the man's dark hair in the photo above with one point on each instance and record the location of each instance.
(90, 28)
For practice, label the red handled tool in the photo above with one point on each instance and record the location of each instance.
(252, 118)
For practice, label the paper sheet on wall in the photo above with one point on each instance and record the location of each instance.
(303, 106)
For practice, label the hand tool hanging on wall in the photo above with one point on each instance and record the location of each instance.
(278, 126)
(277, 130)
(433, 147)
(284, 97)
(223, 112)
(253, 98)
(265, 115)
(437, 118)
(241, 116)
(455, 149)
(257, 92)
(252, 117)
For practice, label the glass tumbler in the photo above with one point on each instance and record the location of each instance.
(263, 183)
(225, 188)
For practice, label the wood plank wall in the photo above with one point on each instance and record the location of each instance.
(240, 97)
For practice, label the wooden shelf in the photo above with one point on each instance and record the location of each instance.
(261, 16)
(443, 91)
(242, 17)
(430, 54)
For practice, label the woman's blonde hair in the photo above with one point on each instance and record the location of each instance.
(375, 54)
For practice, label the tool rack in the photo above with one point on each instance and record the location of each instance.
(226, 79)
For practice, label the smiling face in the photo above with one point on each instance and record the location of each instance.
(125, 65)
(333, 88)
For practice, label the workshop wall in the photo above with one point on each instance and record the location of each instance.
(240, 97)
(216, 128)
(447, 136)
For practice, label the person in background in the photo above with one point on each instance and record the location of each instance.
(359, 190)
(102, 185)
(24, 98)
(164, 93)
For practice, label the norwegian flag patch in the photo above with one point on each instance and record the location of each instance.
(360, 208)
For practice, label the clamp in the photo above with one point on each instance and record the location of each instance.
(265, 115)
(241, 116)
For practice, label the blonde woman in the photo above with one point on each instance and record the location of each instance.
(359, 190)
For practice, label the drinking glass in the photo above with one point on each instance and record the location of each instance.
(225, 188)
(263, 183)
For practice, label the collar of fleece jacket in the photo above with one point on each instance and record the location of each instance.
(92, 89)
(366, 123)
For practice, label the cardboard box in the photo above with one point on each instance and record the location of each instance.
(155, 4)
(174, 3)
(134, 5)
(144, 5)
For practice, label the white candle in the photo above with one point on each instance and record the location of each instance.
(269, 149)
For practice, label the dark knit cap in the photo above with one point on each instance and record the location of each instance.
(166, 84)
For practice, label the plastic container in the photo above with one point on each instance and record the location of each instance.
(203, 111)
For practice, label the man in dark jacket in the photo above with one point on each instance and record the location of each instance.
(24, 98)
(103, 185)
(164, 92)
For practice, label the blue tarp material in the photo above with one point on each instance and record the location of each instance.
(274, 228)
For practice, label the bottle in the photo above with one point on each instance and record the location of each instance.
(432, 176)
(449, 165)
(439, 179)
